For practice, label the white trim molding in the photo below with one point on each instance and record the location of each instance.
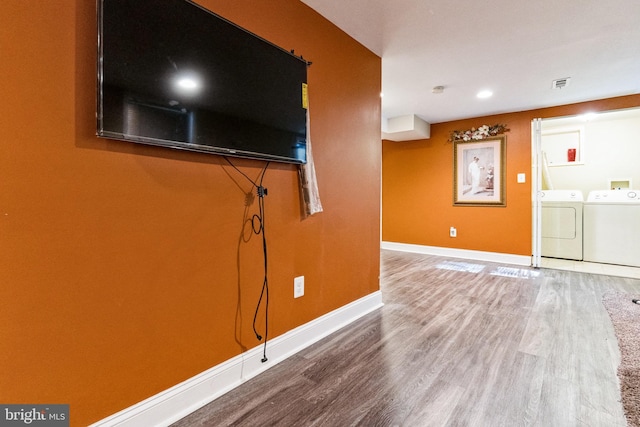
(522, 260)
(179, 401)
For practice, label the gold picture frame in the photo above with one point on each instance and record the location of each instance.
(479, 172)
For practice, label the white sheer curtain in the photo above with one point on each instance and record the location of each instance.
(308, 182)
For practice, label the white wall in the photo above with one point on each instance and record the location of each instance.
(610, 150)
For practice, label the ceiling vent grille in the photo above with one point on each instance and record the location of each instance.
(560, 83)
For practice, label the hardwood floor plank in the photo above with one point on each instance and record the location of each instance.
(457, 343)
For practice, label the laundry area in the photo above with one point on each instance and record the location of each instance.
(590, 208)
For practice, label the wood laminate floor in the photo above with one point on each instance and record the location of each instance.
(457, 343)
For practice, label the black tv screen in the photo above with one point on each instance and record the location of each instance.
(173, 74)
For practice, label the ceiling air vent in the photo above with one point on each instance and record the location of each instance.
(560, 83)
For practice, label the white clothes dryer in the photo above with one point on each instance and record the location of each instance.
(612, 227)
(562, 224)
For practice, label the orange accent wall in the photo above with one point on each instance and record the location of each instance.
(124, 268)
(417, 185)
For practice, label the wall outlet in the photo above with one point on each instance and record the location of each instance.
(453, 232)
(298, 286)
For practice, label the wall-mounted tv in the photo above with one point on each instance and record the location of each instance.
(173, 74)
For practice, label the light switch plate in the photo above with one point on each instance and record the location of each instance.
(298, 286)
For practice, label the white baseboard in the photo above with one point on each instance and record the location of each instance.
(522, 260)
(177, 402)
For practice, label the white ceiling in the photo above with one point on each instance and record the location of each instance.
(515, 48)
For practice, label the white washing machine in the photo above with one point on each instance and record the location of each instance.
(612, 227)
(562, 224)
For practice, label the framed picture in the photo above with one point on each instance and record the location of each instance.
(479, 172)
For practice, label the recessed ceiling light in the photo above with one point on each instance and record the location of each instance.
(188, 84)
(484, 94)
(587, 117)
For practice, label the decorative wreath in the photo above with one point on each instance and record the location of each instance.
(474, 134)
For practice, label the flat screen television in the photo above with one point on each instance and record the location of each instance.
(173, 74)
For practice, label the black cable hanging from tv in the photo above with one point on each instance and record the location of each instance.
(258, 227)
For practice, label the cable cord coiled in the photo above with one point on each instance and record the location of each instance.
(258, 227)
